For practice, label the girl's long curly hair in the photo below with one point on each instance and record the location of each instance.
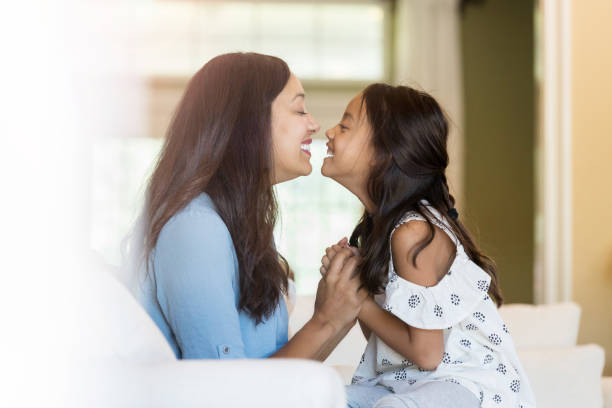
(409, 134)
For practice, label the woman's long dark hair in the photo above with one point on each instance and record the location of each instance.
(219, 142)
(409, 134)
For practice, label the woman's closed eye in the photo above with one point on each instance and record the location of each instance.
(342, 127)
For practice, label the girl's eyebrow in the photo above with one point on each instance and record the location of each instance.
(347, 115)
(297, 96)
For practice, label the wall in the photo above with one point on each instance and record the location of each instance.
(592, 170)
(498, 55)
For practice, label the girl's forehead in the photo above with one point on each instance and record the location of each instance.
(356, 107)
(355, 103)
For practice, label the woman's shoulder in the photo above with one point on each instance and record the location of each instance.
(199, 220)
(195, 240)
(201, 205)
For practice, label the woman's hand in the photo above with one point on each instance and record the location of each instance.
(339, 297)
(337, 306)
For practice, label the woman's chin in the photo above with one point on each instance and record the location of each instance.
(306, 169)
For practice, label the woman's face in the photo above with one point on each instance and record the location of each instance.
(292, 130)
(350, 153)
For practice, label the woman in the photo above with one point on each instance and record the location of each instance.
(213, 280)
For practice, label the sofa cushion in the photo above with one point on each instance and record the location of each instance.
(565, 376)
(542, 326)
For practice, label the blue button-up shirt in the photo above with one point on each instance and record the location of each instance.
(192, 291)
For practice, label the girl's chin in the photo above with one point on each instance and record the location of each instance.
(325, 169)
(328, 173)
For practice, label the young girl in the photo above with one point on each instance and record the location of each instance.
(435, 336)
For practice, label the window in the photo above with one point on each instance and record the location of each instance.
(334, 48)
(318, 40)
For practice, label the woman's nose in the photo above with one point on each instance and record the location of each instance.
(329, 133)
(314, 125)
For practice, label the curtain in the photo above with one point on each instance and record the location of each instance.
(427, 56)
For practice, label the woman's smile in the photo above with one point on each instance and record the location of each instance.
(305, 147)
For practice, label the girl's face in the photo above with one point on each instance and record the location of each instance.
(350, 150)
(292, 130)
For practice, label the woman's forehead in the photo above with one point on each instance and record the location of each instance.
(293, 87)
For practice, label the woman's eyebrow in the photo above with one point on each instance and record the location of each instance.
(297, 96)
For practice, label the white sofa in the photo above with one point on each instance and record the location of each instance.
(125, 361)
(562, 374)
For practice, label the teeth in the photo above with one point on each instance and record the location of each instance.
(306, 147)
(329, 154)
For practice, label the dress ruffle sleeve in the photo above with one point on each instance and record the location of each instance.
(441, 306)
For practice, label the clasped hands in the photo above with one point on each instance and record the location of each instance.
(339, 294)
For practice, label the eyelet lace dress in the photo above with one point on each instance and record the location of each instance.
(478, 351)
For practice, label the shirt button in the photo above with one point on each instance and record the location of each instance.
(226, 350)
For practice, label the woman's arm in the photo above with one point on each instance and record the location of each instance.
(333, 343)
(310, 342)
(337, 305)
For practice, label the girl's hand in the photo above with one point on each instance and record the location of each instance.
(331, 251)
(339, 297)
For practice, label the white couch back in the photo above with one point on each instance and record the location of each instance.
(114, 325)
(532, 326)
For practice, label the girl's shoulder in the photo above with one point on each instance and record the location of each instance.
(432, 215)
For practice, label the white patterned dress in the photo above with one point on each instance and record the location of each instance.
(478, 351)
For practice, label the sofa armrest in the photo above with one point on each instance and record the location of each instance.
(211, 383)
(606, 385)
